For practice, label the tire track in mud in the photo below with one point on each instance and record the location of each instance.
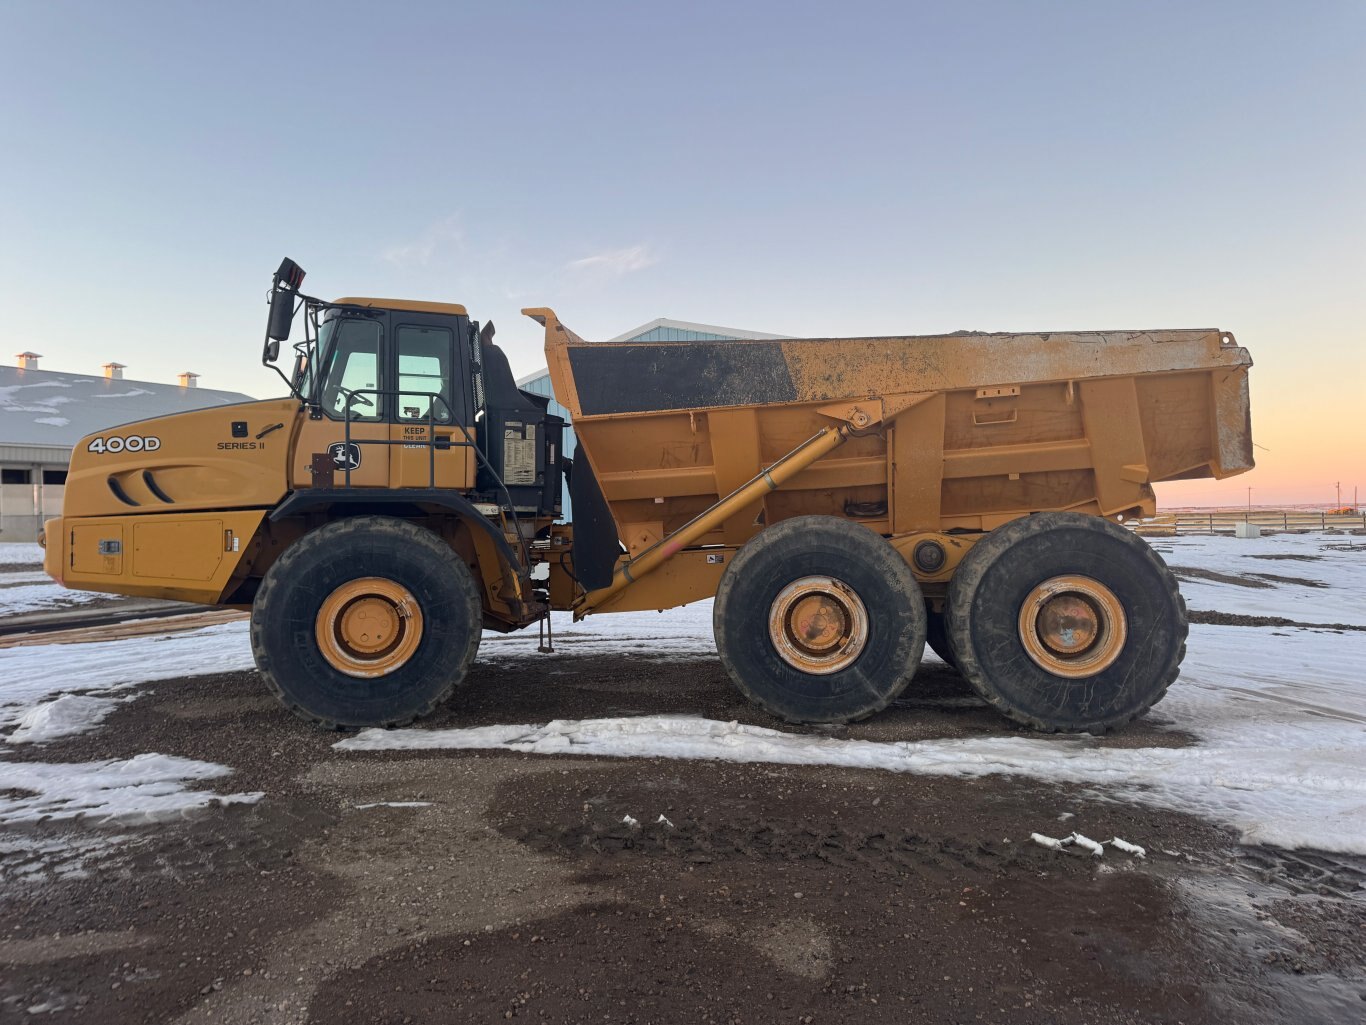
(891, 852)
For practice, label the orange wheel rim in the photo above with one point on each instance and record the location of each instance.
(818, 625)
(369, 627)
(1073, 626)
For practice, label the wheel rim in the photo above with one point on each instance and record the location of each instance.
(1073, 626)
(369, 627)
(818, 625)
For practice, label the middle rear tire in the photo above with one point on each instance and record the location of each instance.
(819, 620)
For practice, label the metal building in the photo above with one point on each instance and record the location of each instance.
(661, 329)
(44, 414)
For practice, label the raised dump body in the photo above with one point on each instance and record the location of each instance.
(959, 432)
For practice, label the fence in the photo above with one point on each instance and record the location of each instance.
(1285, 520)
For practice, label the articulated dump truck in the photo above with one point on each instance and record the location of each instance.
(845, 501)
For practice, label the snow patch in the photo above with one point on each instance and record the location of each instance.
(679, 633)
(33, 675)
(37, 576)
(20, 553)
(121, 394)
(143, 789)
(41, 597)
(62, 717)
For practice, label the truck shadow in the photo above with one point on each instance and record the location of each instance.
(937, 704)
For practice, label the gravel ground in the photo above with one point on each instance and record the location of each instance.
(468, 887)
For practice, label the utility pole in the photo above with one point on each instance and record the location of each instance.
(1249, 503)
(1339, 487)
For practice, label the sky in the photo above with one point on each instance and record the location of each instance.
(803, 169)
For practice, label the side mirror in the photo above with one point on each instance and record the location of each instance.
(283, 290)
(281, 319)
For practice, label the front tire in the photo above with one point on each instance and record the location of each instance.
(1067, 622)
(369, 621)
(819, 620)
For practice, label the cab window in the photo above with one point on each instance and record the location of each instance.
(352, 377)
(424, 370)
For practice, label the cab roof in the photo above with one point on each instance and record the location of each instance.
(410, 305)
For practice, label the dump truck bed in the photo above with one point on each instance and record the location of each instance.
(959, 431)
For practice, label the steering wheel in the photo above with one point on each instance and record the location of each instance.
(355, 398)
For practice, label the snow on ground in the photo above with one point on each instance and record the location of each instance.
(143, 789)
(1280, 714)
(29, 589)
(48, 596)
(1278, 758)
(38, 676)
(54, 691)
(1305, 577)
(63, 716)
(678, 633)
(14, 553)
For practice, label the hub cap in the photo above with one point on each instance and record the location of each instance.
(1073, 626)
(369, 627)
(818, 625)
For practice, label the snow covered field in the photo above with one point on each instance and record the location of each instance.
(1279, 713)
(1309, 578)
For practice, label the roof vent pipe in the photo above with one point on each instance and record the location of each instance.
(29, 360)
(114, 371)
(188, 380)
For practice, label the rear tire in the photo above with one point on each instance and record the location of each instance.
(819, 620)
(369, 621)
(1067, 622)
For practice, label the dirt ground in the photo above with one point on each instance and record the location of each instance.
(494, 886)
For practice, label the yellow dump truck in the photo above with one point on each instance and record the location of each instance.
(845, 501)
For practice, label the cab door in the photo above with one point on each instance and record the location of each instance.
(351, 386)
(431, 399)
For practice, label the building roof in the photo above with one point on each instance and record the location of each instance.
(664, 329)
(662, 325)
(50, 409)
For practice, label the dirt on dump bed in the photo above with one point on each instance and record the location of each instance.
(441, 887)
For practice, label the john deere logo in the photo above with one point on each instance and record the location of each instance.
(344, 456)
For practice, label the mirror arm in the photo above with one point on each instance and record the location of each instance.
(288, 383)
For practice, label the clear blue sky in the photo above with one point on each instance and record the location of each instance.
(798, 168)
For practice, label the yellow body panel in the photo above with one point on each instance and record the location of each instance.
(408, 305)
(194, 557)
(185, 462)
